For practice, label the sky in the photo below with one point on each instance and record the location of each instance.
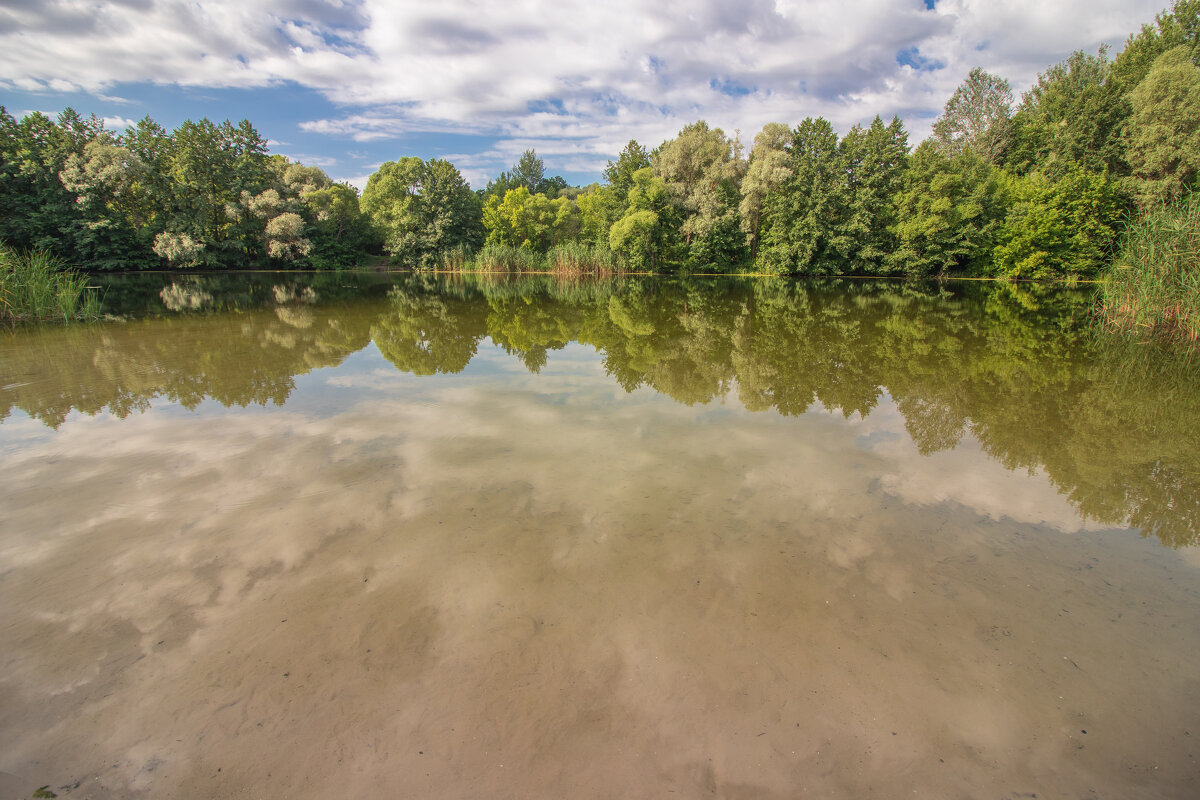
(348, 84)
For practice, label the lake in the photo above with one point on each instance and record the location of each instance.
(353, 535)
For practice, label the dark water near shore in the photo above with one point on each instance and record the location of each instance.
(375, 535)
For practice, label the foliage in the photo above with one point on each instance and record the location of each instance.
(977, 117)
(798, 223)
(1073, 115)
(529, 172)
(205, 194)
(632, 238)
(646, 236)
(423, 209)
(619, 173)
(1058, 229)
(873, 161)
(1163, 136)
(530, 221)
(946, 213)
(768, 170)
(702, 169)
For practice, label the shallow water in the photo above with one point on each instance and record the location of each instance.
(353, 536)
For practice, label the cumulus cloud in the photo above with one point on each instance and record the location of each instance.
(577, 80)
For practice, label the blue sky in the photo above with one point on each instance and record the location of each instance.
(348, 84)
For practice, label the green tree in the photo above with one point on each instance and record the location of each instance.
(619, 173)
(769, 169)
(339, 231)
(530, 221)
(103, 179)
(1178, 28)
(530, 171)
(1163, 136)
(703, 170)
(873, 161)
(1073, 115)
(646, 236)
(946, 213)
(599, 207)
(38, 211)
(799, 222)
(422, 209)
(977, 117)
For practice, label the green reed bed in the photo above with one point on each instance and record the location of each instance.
(38, 287)
(576, 258)
(456, 259)
(500, 258)
(1154, 286)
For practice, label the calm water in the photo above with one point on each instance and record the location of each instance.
(391, 536)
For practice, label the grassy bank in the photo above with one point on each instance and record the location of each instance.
(37, 287)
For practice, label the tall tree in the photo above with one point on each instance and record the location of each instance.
(619, 173)
(1072, 115)
(1058, 229)
(703, 169)
(530, 171)
(947, 213)
(769, 169)
(873, 162)
(798, 223)
(422, 209)
(1163, 136)
(977, 117)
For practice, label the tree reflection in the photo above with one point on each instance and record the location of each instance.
(1114, 425)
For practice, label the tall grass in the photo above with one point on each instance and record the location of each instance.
(499, 258)
(37, 286)
(456, 258)
(1154, 286)
(576, 258)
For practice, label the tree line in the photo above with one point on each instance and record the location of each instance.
(1040, 188)
(203, 195)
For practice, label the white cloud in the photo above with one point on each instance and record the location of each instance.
(575, 80)
(119, 123)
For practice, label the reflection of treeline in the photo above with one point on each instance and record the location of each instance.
(1114, 426)
(238, 360)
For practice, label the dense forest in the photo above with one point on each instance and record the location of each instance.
(1043, 187)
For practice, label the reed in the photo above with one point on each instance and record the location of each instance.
(456, 259)
(500, 258)
(1154, 287)
(38, 287)
(576, 258)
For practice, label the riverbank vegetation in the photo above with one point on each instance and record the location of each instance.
(1155, 283)
(1044, 187)
(37, 287)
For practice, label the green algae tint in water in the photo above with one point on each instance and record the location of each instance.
(365, 537)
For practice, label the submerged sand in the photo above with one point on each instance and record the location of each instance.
(453, 590)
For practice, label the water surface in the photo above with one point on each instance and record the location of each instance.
(344, 535)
